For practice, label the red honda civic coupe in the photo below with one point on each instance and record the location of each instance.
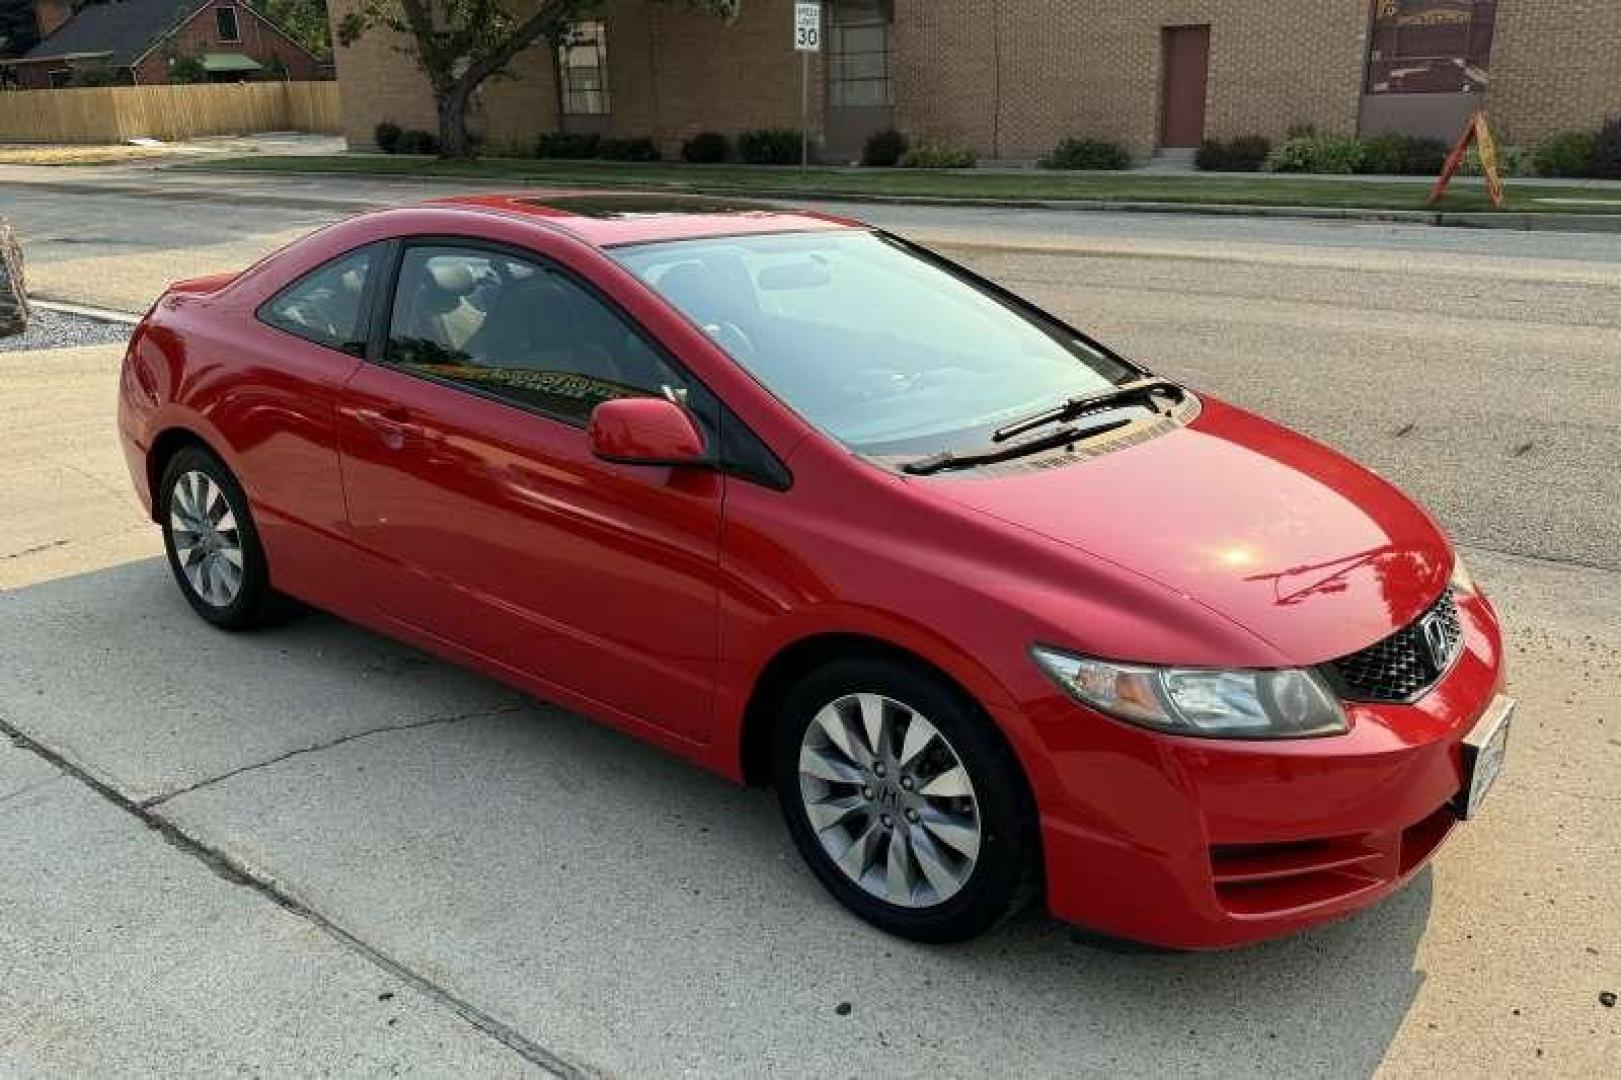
(998, 612)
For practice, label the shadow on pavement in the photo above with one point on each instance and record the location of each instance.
(614, 905)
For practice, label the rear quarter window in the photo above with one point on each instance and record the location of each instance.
(327, 306)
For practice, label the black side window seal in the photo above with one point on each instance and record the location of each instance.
(745, 456)
(389, 255)
(383, 300)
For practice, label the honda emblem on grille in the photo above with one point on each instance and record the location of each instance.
(1437, 641)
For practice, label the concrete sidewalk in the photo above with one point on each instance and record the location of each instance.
(124, 955)
(314, 851)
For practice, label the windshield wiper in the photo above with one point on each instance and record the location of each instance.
(946, 459)
(1076, 407)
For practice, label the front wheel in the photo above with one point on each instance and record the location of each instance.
(905, 802)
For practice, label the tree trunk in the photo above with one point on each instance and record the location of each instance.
(451, 103)
(559, 116)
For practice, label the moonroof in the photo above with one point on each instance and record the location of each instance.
(621, 206)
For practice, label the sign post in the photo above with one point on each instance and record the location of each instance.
(807, 40)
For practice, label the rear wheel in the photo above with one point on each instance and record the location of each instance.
(906, 804)
(213, 547)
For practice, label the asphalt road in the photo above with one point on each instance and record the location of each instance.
(445, 879)
(1478, 369)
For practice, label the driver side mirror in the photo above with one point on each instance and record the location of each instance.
(645, 431)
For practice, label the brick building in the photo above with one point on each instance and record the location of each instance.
(137, 41)
(1013, 77)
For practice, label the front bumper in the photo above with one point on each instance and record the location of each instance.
(1202, 844)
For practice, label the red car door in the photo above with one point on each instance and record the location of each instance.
(482, 519)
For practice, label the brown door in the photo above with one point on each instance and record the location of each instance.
(1185, 61)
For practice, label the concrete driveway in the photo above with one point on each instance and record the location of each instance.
(311, 850)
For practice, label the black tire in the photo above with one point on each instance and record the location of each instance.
(254, 602)
(1004, 876)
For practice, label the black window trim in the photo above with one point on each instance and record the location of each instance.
(767, 470)
(363, 318)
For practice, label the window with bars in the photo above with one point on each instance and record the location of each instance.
(583, 64)
(1431, 46)
(858, 59)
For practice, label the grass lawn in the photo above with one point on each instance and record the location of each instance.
(1351, 192)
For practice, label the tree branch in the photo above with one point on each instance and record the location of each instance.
(547, 21)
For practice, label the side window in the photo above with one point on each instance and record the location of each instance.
(519, 331)
(327, 305)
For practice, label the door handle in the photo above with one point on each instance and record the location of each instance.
(393, 425)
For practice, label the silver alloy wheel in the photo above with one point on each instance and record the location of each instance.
(889, 800)
(207, 540)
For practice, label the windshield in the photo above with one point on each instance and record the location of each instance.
(880, 347)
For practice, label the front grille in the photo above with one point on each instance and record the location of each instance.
(1408, 662)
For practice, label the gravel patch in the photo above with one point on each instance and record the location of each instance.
(56, 330)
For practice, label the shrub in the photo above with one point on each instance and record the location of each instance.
(1424, 157)
(641, 148)
(1383, 154)
(1573, 153)
(100, 73)
(186, 70)
(1211, 157)
(1511, 161)
(1607, 150)
(938, 154)
(417, 141)
(706, 148)
(769, 146)
(1395, 154)
(884, 149)
(567, 144)
(1316, 154)
(1088, 154)
(387, 137)
(1247, 153)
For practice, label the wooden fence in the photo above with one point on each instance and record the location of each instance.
(114, 113)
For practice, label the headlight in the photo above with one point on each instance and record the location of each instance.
(1240, 704)
(1462, 580)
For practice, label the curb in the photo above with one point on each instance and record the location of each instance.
(85, 311)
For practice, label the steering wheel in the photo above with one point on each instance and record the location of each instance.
(733, 339)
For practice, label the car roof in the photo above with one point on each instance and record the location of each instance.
(609, 219)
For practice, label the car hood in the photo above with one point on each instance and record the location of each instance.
(1299, 545)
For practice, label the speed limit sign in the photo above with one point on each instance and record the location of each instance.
(807, 27)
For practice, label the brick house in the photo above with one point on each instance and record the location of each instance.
(136, 41)
(1013, 77)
